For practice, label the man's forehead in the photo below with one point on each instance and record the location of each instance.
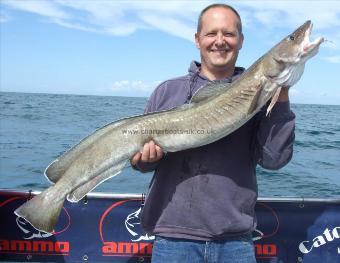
(217, 14)
(220, 11)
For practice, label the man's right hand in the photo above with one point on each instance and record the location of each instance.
(151, 153)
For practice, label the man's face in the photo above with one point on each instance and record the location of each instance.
(219, 40)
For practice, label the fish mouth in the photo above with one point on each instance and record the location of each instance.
(311, 48)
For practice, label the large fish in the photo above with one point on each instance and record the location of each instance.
(216, 111)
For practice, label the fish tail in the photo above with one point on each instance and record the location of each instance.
(43, 210)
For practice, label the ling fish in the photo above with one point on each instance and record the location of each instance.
(217, 108)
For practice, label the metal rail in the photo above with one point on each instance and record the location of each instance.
(142, 196)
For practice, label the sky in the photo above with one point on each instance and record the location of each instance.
(126, 48)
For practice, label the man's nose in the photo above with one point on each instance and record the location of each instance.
(220, 39)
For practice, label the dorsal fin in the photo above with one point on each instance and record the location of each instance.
(209, 90)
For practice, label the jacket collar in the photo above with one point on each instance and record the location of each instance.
(195, 68)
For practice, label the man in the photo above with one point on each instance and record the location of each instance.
(201, 201)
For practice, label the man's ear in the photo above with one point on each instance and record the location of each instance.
(241, 41)
(197, 43)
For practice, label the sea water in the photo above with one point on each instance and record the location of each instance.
(36, 128)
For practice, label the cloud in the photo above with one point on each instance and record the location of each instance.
(293, 91)
(167, 24)
(44, 8)
(274, 15)
(332, 59)
(118, 18)
(4, 17)
(324, 14)
(178, 18)
(134, 87)
(332, 39)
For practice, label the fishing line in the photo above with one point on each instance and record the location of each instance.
(331, 42)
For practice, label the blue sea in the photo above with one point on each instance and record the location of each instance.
(36, 128)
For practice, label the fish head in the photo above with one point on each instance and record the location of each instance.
(288, 57)
(296, 47)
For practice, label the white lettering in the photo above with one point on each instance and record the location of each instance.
(328, 236)
(303, 248)
(335, 232)
(319, 241)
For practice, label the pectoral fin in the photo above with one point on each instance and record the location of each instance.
(273, 101)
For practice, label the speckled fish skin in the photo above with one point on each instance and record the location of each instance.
(104, 153)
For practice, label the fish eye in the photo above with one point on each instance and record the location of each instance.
(291, 37)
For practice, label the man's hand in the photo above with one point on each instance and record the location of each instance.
(283, 95)
(151, 153)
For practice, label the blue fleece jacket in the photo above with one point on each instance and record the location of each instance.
(209, 192)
